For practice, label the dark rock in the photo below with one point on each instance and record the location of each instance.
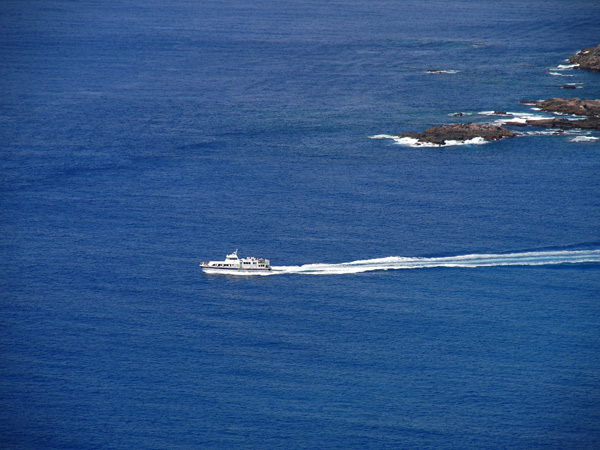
(501, 113)
(460, 132)
(458, 114)
(588, 58)
(590, 123)
(574, 106)
(568, 86)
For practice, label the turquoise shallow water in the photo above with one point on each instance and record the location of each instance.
(140, 139)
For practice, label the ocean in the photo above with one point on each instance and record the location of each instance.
(421, 297)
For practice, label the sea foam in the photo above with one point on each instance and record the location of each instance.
(449, 71)
(585, 139)
(518, 117)
(566, 66)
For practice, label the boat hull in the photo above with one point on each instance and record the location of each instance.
(235, 271)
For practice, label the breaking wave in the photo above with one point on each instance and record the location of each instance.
(539, 258)
(436, 71)
(520, 117)
(566, 66)
(585, 139)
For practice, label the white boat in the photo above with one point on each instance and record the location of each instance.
(235, 264)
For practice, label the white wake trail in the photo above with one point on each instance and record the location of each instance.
(475, 260)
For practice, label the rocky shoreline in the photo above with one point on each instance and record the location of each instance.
(588, 58)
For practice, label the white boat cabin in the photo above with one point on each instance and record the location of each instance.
(233, 262)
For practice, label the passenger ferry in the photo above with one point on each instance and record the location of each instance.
(234, 264)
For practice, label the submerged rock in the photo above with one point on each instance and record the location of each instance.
(460, 132)
(588, 58)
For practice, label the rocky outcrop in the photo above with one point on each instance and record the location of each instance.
(460, 132)
(591, 123)
(574, 106)
(588, 58)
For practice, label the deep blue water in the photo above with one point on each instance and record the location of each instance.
(141, 138)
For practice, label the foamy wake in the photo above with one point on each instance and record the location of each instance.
(465, 261)
(412, 142)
